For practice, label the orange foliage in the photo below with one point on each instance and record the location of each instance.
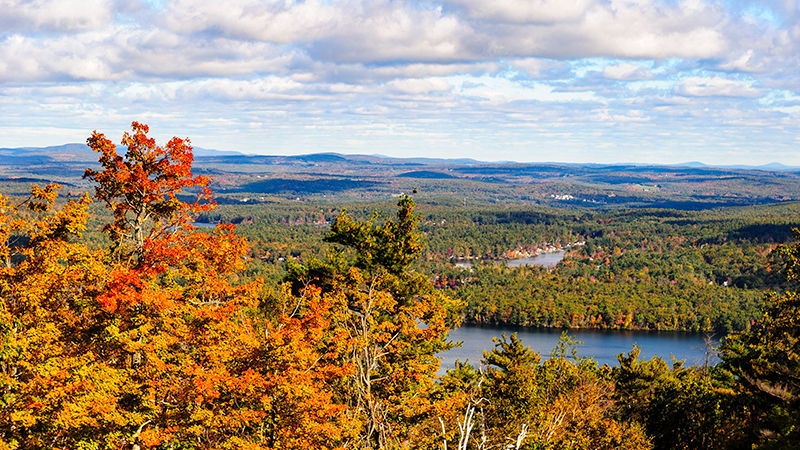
(141, 187)
(156, 346)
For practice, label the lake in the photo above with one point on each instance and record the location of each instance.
(602, 345)
(549, 260)
(204, 225)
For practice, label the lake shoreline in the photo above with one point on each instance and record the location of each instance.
(603, 345)
(471, 323)
(551, 329)
(548, 259)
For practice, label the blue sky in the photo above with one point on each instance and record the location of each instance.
(647, 81)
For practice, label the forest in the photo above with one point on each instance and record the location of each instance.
(127, 322)
(638, 268)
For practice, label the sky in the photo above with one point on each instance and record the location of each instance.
(578, 81)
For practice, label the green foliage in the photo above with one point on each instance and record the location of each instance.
(652, 269)
(765, 361)
(646, 268)
(512, 388)
(392, 245)
(680, 407)
(532, 296)
(524, 402)
(391, 318)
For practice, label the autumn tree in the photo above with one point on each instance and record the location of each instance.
(156, 346)
(44, 278)
(393, 320)
(141, 187)
(460, 410)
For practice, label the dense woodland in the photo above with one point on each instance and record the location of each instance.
(633, 268)
(315, 325)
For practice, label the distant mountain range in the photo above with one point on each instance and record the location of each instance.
(772, 167)
(82, 153)
(239, 177)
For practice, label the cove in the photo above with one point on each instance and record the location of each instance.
(602, 345)
(547, 259)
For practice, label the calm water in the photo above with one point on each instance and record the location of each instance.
(542, 259)
(548, 260)
(204, 225)
(602, 345)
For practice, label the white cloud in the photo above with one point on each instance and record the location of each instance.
(269, 88)
(716, 87)
(420, 70)
(354, 31)
(745, 63)
(491, 72)
(376, 40)
(67, 57)
(418, 87)
(652, 29)
(540, 68)
(384, 31)
(631, 116)
(627, 71)
(312, 71)
(276, 21)
(54, 15)
(123, 53)
(527, 11)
